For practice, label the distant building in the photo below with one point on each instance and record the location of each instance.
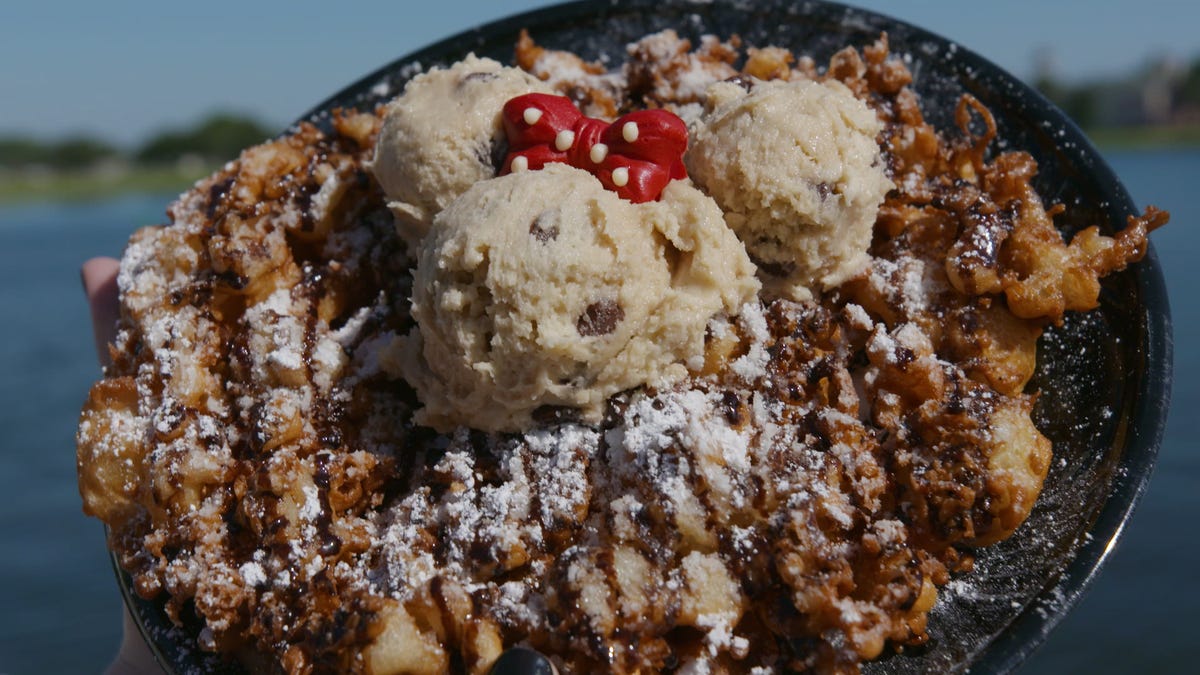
(1150, 97)
(1159, 86)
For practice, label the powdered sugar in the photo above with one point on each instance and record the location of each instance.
(753, 365)
(253, 574)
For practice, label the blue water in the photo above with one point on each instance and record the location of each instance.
(59, 607)
(1141, 616)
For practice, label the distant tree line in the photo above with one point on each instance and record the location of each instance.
(217, 138)
(1189, 89)
(1159, 93)
(18, 152)
(1079, 102)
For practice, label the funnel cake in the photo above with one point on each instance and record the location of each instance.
(793, 504)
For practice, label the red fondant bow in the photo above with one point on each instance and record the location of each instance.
(635, 156)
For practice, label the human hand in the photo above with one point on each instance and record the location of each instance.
(99, 276)
(134, 657)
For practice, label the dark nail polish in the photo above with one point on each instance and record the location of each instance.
(522, 661)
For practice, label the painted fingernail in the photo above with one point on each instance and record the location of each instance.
(522, 661)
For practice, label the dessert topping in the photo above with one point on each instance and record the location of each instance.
(635, 156)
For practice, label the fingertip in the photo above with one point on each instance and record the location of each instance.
(99, 277)
(97, 273)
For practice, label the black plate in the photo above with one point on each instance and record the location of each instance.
(1105, 376)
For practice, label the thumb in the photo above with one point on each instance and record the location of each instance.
(99, 276)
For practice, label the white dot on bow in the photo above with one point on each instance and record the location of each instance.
(598, 152)
(564, 140)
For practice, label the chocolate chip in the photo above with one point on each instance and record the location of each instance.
(744, 81)
(546, 415)
(477, 77)
(779, 269)
(600, 318)
(492, 152)
(541, 229)
(824, 189)
(497, 151)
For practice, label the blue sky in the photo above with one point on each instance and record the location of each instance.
(124, 69)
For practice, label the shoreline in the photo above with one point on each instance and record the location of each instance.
(19, 188)
(1146, 138)
(31, 187)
